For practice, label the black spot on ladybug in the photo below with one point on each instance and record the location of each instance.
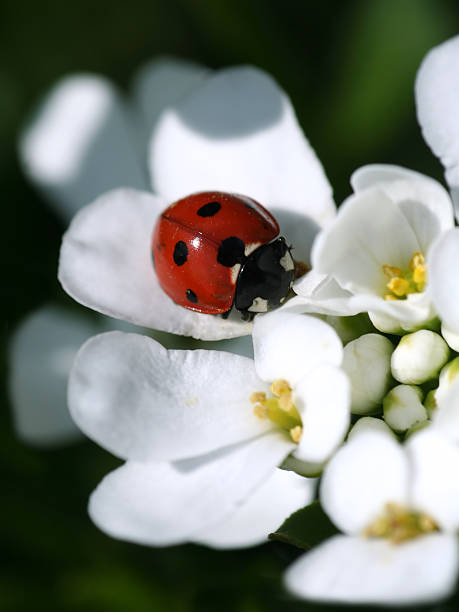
(231, 251)
(180, 253)
(191, 296)
(210, 209)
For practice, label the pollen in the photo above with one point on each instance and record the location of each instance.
(399, 286)
(398, 524)
(260, 411)
(296, 433)
(257, 396)
(403, 282)
(279, 387)
(280, 408)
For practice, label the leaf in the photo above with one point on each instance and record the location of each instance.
(305, 528)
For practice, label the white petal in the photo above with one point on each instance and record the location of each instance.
(162, 504)
(106, 264)
(354, 570)
(160, 84)
(323, 400)
(42, 351)
(321, 294)
(407, 188)
(369, 231)
(391, 316)
(81, 143)
(435, 485)
(444, 277)
(437, 98)
(262, 513)
(143, 402)
(238, 133)
(364, 475)
(288, 345)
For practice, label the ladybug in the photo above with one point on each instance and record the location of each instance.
(215, 250)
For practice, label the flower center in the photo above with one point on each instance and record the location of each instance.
(402, 282)
(397, 524)
(279, 409)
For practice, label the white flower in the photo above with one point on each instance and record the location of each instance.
(199, 430)
(82, 140)
(399, 510)
(437, 97)
(41, 354)
(371, 258)
(235, 131)
(86, 137)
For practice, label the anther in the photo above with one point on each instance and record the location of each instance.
(391, 271)
(257, 396)
(399, 286)
(296, 433)
(279, 387)
(260, 411)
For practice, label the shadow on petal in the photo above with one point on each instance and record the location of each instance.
(236, 102)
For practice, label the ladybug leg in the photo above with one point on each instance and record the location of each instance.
(246, 315)
(301, 268)
(225, 315)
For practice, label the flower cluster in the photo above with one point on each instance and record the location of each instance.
(353, 380)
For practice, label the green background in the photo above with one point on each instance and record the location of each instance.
(349, 67)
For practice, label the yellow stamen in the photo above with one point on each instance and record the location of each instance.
(285, 401)
(420, 274)
(391, 271)
(397, 524)
(296, 433)
(257, 396)
(260, 411)
(416, 260)
(403, 282)
(279, 409)
(399, 286)
(279, 387)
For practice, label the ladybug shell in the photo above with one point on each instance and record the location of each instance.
(199, 243)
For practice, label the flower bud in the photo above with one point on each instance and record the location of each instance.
(452, 338)
(366, 361)
(419, 357)
(430, 403)
(368, 423)
(403, 408)
(447, 377)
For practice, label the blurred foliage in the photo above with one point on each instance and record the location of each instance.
(349, 68)
(305, 528)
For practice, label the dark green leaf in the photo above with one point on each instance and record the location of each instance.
(305, 528)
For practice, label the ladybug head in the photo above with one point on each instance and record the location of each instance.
(265, 279)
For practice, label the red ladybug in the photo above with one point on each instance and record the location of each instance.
(215, 250)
